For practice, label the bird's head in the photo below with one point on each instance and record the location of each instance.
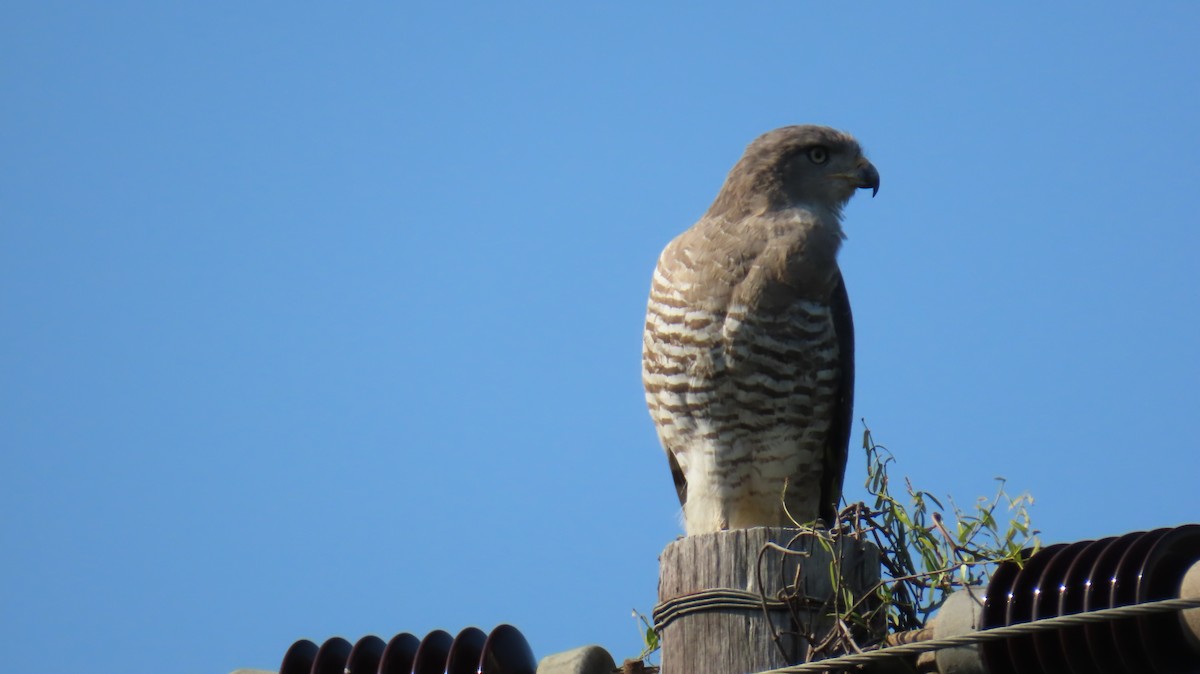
(797, 166)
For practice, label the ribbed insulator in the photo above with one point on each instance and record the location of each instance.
(503, 651)
(1087, 576)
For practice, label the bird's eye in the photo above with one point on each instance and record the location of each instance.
(818, 154)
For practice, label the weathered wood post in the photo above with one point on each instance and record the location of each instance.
(710, 607)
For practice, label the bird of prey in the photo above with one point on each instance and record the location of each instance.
(748, 351)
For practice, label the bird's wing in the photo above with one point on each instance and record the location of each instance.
(843, 415)
(678, 477)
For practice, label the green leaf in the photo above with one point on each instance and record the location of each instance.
(651, 639)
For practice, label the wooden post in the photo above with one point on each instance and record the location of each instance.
(737, 639)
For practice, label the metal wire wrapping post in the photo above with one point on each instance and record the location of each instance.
(715, 599)
(994, 634)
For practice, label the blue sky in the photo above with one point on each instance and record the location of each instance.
(325, 319)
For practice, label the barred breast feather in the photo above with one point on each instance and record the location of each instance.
(743, 393)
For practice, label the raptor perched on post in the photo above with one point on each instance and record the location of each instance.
(748, 352)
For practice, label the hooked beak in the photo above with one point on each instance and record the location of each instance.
(868, 176)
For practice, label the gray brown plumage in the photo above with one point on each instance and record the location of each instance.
(748, 351)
